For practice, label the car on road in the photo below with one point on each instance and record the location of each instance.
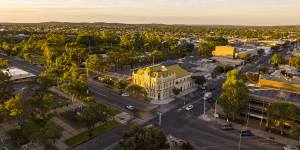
(290, 147)
(190, 107)
(129, 107)
(227, 126)
(124, 94)
(207, 96)
(246, 133)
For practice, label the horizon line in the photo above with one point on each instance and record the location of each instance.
(177, 24)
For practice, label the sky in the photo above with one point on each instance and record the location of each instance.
(203, 12)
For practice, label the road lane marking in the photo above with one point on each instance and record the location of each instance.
(98, 92)
(212, 146)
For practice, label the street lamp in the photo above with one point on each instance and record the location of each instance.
(215, 113)
(247, 122)
(159, 113)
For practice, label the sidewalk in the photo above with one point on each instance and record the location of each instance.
(255, 131)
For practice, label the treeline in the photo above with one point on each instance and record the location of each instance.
(265, 32)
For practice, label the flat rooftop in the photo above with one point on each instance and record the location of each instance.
(276, 95)
(17, 74)
(281, 79)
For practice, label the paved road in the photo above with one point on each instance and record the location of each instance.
(100, 92)
(186, 125)
(106, 95)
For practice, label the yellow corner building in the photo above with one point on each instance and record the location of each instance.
(159, 80)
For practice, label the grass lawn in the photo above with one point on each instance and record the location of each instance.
(114, 111)
(83, 136)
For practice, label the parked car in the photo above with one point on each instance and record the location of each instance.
(227, 126)
(290, 147)
(190, 107)
(246, 133)
(124, 94)
(129, 107)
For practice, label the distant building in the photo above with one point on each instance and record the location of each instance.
(159, 80)
(224, 51)
(267, 49)
(18, 74)
(246, 51)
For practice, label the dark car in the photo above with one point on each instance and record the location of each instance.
(246, 133)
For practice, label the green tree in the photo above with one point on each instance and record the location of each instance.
(187, 146)
(3, 64)
(277, 59)
(235, 95)
(295, 61)
(96, 63)
(128, 41)
(92, 114)
(199, 80)
(138, 138)
(122, 84)
(136, 90)
(46, 134)
(205, 50)
(155, 53)
(295, 131)
(75, 53)
(13, 107)
(151, 40)
(6, 89)
(280, 113)
(75, 83)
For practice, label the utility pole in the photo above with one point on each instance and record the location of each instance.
(159, 118)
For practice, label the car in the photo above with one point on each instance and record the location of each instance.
(190, 107)
(207, 96)
(129, 107)
(246, 133)
(227, 126)
(290, 147)
(124, 94)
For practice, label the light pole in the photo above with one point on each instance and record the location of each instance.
(247, 122)
(240, 141)
(215, 113)
(159, 116)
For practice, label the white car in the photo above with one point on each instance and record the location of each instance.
(125, 94)
(129, 107)
(190, 107)
(290, 147)
(207, 95)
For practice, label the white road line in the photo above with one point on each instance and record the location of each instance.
(98, 93)
(206, 147)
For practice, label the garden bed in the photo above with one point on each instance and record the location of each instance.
(84, 136)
